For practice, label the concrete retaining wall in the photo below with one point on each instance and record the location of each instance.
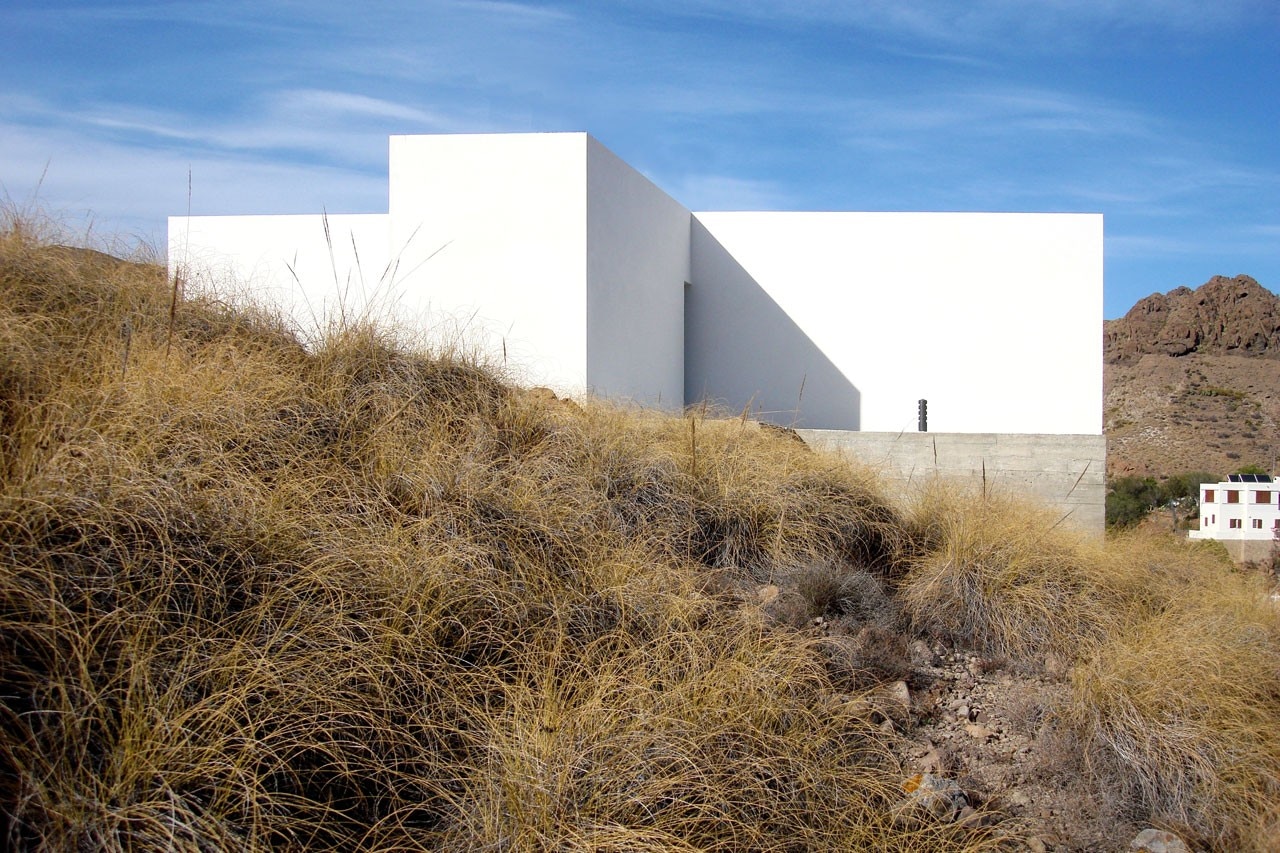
(1067, 472)
(1249, 550)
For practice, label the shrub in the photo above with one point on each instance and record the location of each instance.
(367, 594)
(1185, 486)
(1129, 499)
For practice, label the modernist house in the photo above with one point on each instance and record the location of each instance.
(588, 278)
(1243, 513)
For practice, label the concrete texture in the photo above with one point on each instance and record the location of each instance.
(490, 233)
(1067, 472)
(1250, 550)
(317, 269)
(743, 351)
(637, 265)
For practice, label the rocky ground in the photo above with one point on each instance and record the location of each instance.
(1216, 413)
(977, 739)
(991, 730)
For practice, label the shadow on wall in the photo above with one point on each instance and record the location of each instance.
(742, 349)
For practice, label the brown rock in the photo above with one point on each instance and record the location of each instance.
(1158, 841)
(978, 732)
(935, 796)
(931, 761)
(1213, 406)
(1224, 315)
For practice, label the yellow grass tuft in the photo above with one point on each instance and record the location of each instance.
(999, 575)
(1178, 705)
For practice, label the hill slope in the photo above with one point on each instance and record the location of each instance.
(368, 595)
(1192, 380)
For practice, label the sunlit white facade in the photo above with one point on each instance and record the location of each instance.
(586, 277)
(1245, 508)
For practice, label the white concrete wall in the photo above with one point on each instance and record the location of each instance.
(637, 266)
(995, 318)
(288, 261)
(489, 235)
(548, 248)
(742, 349)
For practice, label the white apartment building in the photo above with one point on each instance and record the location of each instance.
(1243, 513)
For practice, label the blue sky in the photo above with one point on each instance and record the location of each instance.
(1164, 115)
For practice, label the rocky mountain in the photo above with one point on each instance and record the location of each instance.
(1224, 316)
(1192, 380)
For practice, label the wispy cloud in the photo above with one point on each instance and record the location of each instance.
(722, 192)
(342, 127)
(997, 110)
(133, 189)
(1011, 26)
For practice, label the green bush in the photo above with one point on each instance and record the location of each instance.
(1129, 499)
(1185, 485)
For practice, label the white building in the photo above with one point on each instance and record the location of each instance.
(1243, 513)
(588, 278)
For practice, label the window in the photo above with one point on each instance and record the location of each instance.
(1208, 496)
(1262, 497)
(1277, 524)
(1257, 523)
(1233, 496)
(1234, 523)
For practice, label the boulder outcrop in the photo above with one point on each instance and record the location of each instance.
(1224, 316)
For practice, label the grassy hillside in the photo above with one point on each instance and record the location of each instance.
(366, 594)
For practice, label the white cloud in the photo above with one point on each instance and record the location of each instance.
(327, 105)
(339, 127)
(134, 189)
(992, 111)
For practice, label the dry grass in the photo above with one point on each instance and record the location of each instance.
(994, 574)
(363, 595)
(1178, 706)
(1176, 687)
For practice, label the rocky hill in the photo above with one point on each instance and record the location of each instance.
(1192, 380)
